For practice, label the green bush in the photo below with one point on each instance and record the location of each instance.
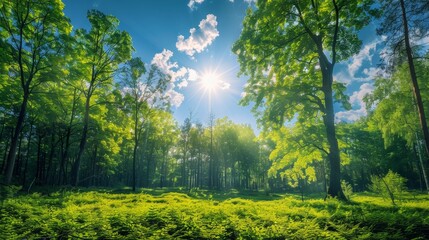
(8, 191)
(347, 189)
(392, 185)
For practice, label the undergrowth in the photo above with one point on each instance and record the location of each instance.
(200, 215)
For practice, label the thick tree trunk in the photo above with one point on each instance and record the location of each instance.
(329, 121)
(10, 162)
(416, 89)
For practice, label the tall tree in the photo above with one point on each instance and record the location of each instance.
(142, 95)
(395, 113)
(103, 48)
(33, 38)
(413, 24)
(289, 50)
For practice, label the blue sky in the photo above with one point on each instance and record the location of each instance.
(192, 40)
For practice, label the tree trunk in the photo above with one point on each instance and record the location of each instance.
(18, 161)
(10, 162)
(48, 175)
(27, 156)
(422, 166)
(329, 121)
(76, 165)
(134, 165)
(39, 161)
(416, 89)
(62, 177)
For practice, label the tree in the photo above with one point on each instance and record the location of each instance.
(33, 35)
(142, 96)
(103, 48)
(297, 150)
(289, 50)
(414, 23)
(395, 113)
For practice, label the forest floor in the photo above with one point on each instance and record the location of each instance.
(162, 214)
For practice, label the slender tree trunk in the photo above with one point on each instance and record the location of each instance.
(10, 162)
(18, 162)
(62, 172)
(82, 144)
(6, 147)
(94, 165)
(416, 89)
(134, 165)
(39, 164)
(27, 156)
(136, 138)
(422, 166)
(50, 158)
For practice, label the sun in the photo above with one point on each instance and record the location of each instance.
(210, 81)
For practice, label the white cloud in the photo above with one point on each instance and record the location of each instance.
(365, 54)
(174, 98)
(358, 96)
(224, 85)
(162, 61)
(357, 103)
(192, 75)
(178, 74)
(343, 77)
(191, 3)
(183, 84)
(349, 116)
(199, 39)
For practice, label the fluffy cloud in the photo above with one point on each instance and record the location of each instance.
(199, 39)
(191, 3)
(178, 74)
(365, 54)
(174, 97)
(357, 103)
(162, 61)
(224, 85)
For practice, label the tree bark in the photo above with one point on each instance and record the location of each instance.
(10, 162)
(329, 121)
(76, 165)
(134, 165)
(62, 177)
(416, 89)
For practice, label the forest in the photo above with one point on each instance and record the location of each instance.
(87, 130)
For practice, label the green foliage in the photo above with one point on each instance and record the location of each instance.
(8, 191)
(392, 185)
(347, 189)
(281, 50)
(103, 215)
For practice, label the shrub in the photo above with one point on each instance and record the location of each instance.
(390, 186)
(347, 189)
(8, 191)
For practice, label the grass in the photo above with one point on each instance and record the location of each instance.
(160, 214)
